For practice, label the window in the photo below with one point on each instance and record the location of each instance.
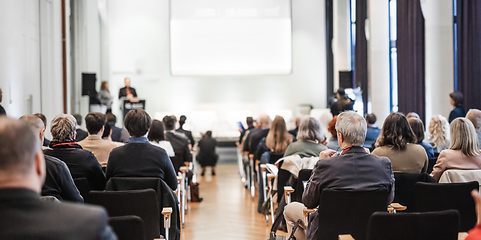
(393, 55)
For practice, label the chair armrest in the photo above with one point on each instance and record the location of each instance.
(179, 179)
(251, 157)
(462, 235)
(346, 237)
(167, 211)
(394, 207)
(263, 167)
(307, 212)
(183, 169)
(287, 193)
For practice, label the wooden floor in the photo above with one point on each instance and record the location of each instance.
(227, 212)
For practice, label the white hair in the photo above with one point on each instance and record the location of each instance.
(352, 127)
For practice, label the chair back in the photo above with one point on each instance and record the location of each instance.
(165, 196)
(273, 157)
(83, 186)
(443, 196)
(404, 186)
(457, 176)
(431, 163)
(142, 203)
(128, 227)
(440, 225)
(304, 175)
(348, 212)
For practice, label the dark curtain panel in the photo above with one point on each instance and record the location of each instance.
(360, 61)
(410, 49)
(469, 52)
(329, 55)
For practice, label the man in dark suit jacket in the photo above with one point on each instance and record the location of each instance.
(187, 133)
(139, 158)
(256, 135)
(353, 169)
(58, 181)
(81, 134)
(127, 91)
(179, 143)
(23, 215)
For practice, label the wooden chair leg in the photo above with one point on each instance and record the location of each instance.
(167, 212)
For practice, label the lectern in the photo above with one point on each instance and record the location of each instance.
(131, 104)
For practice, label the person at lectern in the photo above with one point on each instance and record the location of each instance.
(127, 91)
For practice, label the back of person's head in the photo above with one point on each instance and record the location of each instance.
(341, 92)
(464, 137)
(63, 127)
(249, 121)
(169, 122)
(43, 118)
(34, 121)
(265, 121)
(352, 127)
(94, 122)
(208, 134)
(111, 119)
(182, 120)
(19, 146)
(396, 132)
(439, 132)
(418, 128)
(156, 132)
(278, 138)
(371, 118)
(311, 130)
(412, 115)
(137, 122)
(458, 98)
(78, 118)
(474, 115)
(331, 127)
(104, 85)
(106, 132)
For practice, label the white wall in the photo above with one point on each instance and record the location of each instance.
(342, 39)
(439, 56)
(139, 38)
(30, 57)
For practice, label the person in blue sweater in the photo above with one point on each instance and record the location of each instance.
(418, 128)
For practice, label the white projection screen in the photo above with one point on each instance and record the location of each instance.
(230, 37)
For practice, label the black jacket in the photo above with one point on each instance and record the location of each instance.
(181, 149)
(59, 182)
(187, 134)
(80, 162)
(123, 92)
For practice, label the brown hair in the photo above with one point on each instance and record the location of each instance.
(137, 122)
(464, 137)
(457, 97)
(396, 132)
(156, 133)
(418, 128)
(278, 138)
(94, 122)
(331, 127)
(103, 86)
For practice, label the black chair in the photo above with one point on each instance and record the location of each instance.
(441, 225)
(430, 197)
(273, 157)
(165, 196)
(128, 227)
(404, 186)
(303, 175)
(431, 163)
(348, 212)
(141, 203)
(82, 186)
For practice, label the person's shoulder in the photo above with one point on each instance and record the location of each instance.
(415, 147)
(53, 160)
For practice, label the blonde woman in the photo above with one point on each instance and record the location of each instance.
(438, 133)
(463, 153)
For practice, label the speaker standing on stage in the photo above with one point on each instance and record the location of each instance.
(127, 91)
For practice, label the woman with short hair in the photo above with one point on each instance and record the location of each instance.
(156, 137)
(310, 139)
(463, 153)
(456, 99)
(398, 142)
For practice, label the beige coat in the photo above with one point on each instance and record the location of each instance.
(99, 147)
(454, 159)
(413, 159)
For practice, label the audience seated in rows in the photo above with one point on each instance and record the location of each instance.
(331, 127)
(474, 115)
(463, 153)
(456, 99)
(438, 133)
(250, 126)
(398, 142)
(24, 215)
(294, 131)
(81, 163)
(139, 158)
(206, 155)
(118, 134)
(58, 181)
(81, 134)
(372, 131)
(45, 141)
(418, 129)
(95, 123)
(353, 169)
(156, 137)
(187, 133)
(179, 142)
(256, 135)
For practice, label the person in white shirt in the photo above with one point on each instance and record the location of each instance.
(156, 137)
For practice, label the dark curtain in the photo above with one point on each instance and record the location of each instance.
(329, 55)
(360, 60)
(410, 49)
(469, 52)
